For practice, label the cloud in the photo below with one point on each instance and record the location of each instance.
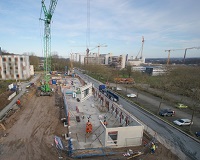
(120, 24)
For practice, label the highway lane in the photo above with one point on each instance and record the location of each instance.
(179, 143)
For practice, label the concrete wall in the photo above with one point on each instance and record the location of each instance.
(11, 96)
(102, 131)
(130, 132)
(82, 89)
(127, 136)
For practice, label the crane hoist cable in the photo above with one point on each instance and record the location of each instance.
(88, 25)
(88, 30)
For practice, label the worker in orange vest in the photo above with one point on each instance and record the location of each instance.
(89, 125)
(18, 102)
(105, 123)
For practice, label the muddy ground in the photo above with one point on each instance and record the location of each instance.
(30, 132)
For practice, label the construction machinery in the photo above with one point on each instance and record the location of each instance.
(141, 50)
(124, 80)
(186, 52)
(168, 59)
(88, 52)
(44, 89)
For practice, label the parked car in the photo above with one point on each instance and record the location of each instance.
(28, 86)
(132, 95)
(197, 134)
(183, 122)
(118, 89)
(166, 112)
(31, 84)
(180, 105)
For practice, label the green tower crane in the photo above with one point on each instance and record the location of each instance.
(45, 88)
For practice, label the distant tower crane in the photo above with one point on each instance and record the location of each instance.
(168, 59)
(99, 47)
(99, 50)
(141, 50)
(186, 52)
(168, 55)
(45, 88)
(88, 51)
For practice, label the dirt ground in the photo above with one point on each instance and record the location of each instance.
(30, 132)
(4, 99)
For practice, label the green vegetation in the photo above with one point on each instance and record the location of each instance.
(180, 80)
(4, 85)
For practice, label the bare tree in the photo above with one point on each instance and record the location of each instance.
(129, 70)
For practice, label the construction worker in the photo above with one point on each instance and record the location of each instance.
(153, 148)
(105, 123)
(18, 102)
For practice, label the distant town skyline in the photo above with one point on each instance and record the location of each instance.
(118, 24)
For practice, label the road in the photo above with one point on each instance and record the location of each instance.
(181, 144)
(23, 90)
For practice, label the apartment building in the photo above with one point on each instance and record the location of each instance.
(15, 67)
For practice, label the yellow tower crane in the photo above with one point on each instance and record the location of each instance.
(168, 59)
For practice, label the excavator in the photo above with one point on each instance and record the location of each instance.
(44, 89)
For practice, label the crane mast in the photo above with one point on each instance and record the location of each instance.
(47, 42)
(47, 35)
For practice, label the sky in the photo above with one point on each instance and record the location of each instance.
(117, 26)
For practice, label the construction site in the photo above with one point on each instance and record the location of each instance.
(67, 116)
(77, 121)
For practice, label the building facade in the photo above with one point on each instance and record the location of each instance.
(15, 67)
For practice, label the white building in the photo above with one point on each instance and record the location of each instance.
(138, 68)
(32, 70)
(14, 67)
(81, 59)
(123, 61)
(118, 61)
(74, 57)
(135, 62)
(108, 58)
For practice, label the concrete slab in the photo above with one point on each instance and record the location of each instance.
(93, 111)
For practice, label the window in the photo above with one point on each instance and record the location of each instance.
(113, 135)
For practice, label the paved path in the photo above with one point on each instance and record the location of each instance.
(23, 87)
